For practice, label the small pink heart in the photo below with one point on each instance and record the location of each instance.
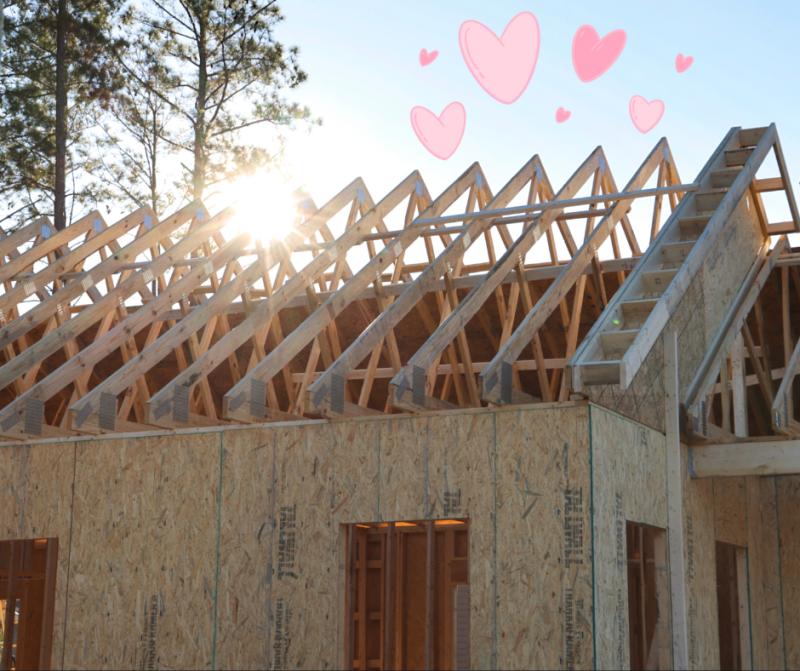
(503, 67)
(426, 58)
(683, 64)
(440, 135)
(645, 115)
(591, 56)
(562, 115)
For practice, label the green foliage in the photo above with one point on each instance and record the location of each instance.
(223, 72)
(27, 97)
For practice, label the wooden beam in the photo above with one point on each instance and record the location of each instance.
(430, 596)
(764, 458)
(560, 203)
(675, 515)
(388, 600)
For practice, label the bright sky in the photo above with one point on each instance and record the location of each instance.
(365, 77)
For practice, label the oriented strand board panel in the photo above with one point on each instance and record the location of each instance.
(789, 530)
(144, 553)
(305, 559)
(455, 478)
(246, 538)
(544, 542)
(629, 484)
(36, 502)
(700, 560)
(522, 479)
(730, 509)
(696, 318)
(772, 574)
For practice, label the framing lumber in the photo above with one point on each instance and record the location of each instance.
(764, 458)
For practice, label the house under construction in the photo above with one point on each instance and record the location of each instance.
(500, 432)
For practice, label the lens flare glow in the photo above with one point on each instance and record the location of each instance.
(265, 205)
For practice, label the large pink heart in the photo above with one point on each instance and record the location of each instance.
(591, 56)
(503, 67)
(440, 135)
(645, 115)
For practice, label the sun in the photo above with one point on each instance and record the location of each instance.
(265, 205)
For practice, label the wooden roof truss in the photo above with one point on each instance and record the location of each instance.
(190, 321)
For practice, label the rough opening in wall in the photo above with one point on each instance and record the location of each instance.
(407, 595)
(733, 607)
(27, 602)
(648, 598)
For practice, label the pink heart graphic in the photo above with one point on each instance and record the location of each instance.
(440, 135)
(503, 67)
(645, 115)
(562, 115)
(426, 58)
(591, 56)
(682, 64)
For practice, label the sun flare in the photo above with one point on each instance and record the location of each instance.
(265, 205)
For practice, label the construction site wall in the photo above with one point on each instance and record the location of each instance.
(225, 549)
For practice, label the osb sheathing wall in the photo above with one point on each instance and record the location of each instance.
(696, 319)
(225, 550)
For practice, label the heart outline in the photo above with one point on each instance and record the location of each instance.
(426, 58)
(438, 133)
(645, 115)
(683, 64)
(503, 71)
(591, 56)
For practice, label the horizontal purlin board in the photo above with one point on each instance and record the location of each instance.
(557, 291)
(533, 273)
(75, 367)
(266, 310)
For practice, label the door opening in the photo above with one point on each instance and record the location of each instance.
(407, 595)
(648, 598)
(733, 607)
(27, 602)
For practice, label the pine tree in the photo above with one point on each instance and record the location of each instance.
(133, 148)
(223, 72)
(58, 63)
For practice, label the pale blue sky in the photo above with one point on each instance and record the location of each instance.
(365, 77)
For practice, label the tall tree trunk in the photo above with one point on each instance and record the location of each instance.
(2, 6)
(60, 200)
(199, 173)
(153, 173)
